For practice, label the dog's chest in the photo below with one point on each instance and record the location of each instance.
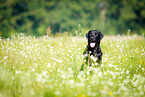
(94, 51)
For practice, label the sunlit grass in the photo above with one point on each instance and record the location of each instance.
(47, 67)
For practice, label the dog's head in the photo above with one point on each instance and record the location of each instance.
(94, 37)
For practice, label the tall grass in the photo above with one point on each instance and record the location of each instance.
(49, 67)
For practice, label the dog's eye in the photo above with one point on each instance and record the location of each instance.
(90, 34)
(96, 34)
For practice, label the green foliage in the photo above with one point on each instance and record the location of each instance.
(34, 16)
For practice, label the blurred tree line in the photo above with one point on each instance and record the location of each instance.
(35, 16)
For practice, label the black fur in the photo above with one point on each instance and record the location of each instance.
(94, 37)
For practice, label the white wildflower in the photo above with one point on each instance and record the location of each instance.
(48, 65)
(110, 83)
(110, 65)
(69, 51)
(71, 81)
(63, 76)
(33, 69)
(79, 76)
(111, 72)
(90, 51)
(92, 94)
(96, 64)
(39, 78)
(32, 92)
(5, 57)
(85, 55)
(127, 72)
(60, 43)
(141, 92)
(44, 73)
(57, 92)
(26, 56)
(128, 77)
(120, 77)
(17, 72)
(57, 60)
(69, 69)
(93, 58)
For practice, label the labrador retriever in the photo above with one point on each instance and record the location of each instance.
(93, 48)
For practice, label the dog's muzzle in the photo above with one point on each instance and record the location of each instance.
(92, 42)
(92, 45)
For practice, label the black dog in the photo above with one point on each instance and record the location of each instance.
(93, 48)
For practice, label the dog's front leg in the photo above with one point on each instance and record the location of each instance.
(99, 57)
(86, 59)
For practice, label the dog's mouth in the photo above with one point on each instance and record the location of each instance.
(92, 45)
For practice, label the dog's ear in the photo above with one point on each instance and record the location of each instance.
(101, 35)
(87, 35)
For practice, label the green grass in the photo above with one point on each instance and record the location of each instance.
(48, 67)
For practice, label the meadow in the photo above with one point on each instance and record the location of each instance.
(49, 67)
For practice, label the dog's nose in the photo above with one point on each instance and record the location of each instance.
(92, 39)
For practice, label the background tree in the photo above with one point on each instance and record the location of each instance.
(34, 16)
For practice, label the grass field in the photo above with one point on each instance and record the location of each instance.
(48, 67)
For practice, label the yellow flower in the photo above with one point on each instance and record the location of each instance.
(82, 95)
(20, 95)
(50, 84)
(110, 93)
